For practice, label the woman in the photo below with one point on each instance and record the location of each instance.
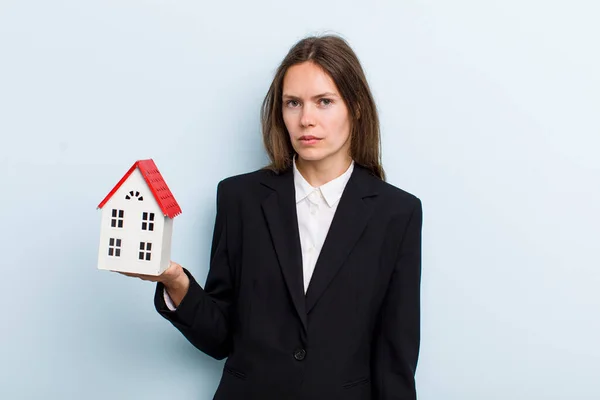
(314, 281)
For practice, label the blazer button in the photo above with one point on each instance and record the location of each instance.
(300, 354)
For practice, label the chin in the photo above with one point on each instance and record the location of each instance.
(311, 155)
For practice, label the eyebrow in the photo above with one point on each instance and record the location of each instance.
(326, 94)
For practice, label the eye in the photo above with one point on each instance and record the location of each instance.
(326, 102)
(292, 103)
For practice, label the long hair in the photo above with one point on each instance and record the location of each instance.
(336, 58)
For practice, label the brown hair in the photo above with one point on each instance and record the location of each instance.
(337, 59)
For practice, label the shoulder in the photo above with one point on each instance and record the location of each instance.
(400, 196)
(401, 204)
(243, 183)
(391, 196)
(402, 208)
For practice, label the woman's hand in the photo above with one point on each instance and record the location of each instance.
(174, 278)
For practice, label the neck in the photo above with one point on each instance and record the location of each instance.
(318, 173)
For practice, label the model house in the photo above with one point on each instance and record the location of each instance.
(137, 222)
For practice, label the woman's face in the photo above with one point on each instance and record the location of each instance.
(315, 114)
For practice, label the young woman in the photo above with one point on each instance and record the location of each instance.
(314, 282)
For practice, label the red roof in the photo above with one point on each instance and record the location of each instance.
(157, 185)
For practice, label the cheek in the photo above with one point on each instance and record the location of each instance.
(289, 121)
(340, 125)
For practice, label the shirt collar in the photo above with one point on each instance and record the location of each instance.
(331, 191)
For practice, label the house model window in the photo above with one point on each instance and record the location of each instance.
(145, 249)
(133, 194)
(117, 218)
(147, 221)
(137, 222)
(114, 247)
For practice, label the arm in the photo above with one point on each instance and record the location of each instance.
(202, 315)
(176, 289)
(396, 345)
(168, 301)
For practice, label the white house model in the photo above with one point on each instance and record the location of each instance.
(137, 222)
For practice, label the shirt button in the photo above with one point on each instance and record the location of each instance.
(300, 354)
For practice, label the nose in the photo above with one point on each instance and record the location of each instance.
(307, 117)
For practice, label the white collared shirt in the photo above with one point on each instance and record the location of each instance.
(315, 207)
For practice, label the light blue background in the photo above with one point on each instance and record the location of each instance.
(489, 114)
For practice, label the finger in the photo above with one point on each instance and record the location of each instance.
(140, 276)
(133, 275)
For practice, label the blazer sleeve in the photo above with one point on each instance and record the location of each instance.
(396, 345)
(203, 315)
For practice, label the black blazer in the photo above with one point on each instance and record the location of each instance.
(354, 335)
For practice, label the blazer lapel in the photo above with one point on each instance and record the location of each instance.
(279, 209)
(348, 223)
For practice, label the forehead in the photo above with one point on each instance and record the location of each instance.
(307, 79)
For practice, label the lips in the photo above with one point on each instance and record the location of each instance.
(309, 138)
